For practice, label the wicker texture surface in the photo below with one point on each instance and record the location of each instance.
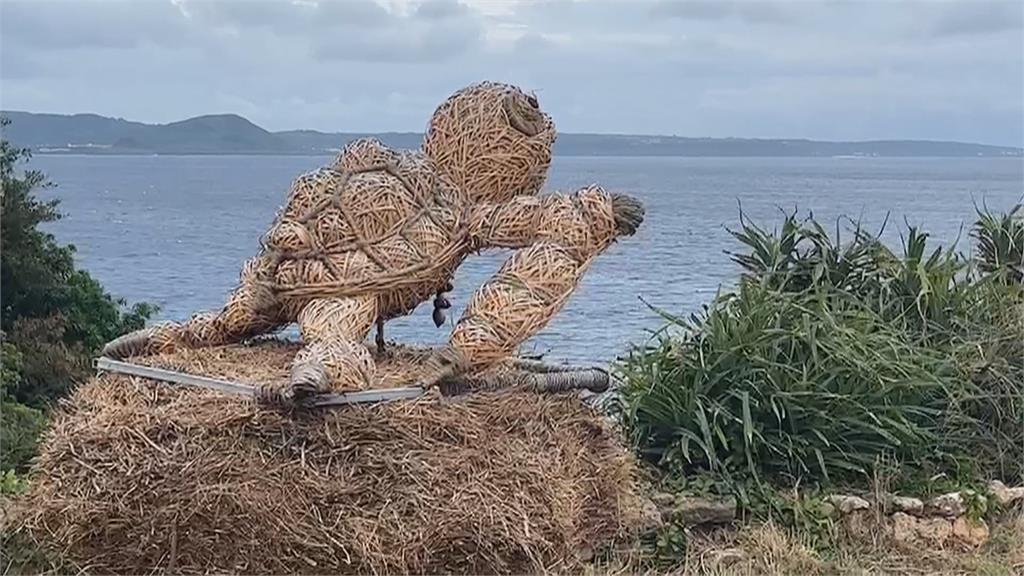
(381, 231)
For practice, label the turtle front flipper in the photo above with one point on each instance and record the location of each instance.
(557, 238)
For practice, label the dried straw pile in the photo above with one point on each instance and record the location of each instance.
(136, 476)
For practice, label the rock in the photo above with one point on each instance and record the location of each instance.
(848, 504)
(1005, 496)
(934, 530)
(906, 505)
(949, 505)
(650, 516)
(904, 527)
(973, 533)
(693, 510)
(829, 510)
(859, 523)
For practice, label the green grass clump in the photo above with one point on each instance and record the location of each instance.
(832, 355)
(798, 385)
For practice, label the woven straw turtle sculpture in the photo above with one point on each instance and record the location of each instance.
(380, 231)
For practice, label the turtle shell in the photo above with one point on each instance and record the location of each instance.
(377, 221)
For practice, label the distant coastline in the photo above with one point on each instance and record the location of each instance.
(229, 134)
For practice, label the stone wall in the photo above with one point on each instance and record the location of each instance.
(939, 521)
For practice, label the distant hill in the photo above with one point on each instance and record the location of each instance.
(221, 133)
(233, 134)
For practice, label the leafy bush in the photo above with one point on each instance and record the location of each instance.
(53, 317)
(11, 484)
(19, 424)
(831, 355)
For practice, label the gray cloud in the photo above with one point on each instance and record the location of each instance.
(115, 24)
(980, 17)
(749, 10)
(286, 17)
(355, 30)
(441, 9)
(438, 30)
(837, 70)
(416, 44)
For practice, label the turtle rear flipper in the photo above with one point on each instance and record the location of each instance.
(137, 343)
(334, 358)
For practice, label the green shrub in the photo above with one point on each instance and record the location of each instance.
(830, 355)
(802, 385)
(56, 315)
(918, 290)
(20, 425)
(987, 346)
(11, 484)
(1000, 242)
(53, 316)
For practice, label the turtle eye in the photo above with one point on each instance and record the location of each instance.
(533, 101)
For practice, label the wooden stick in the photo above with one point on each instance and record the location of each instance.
(362, 396)
(536, 379)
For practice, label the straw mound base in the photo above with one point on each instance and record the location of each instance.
(136, 476)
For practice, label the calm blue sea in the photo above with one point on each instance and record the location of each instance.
(174, 230)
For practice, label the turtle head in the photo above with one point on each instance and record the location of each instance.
(492, 141)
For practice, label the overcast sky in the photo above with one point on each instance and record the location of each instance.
(821, 69)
